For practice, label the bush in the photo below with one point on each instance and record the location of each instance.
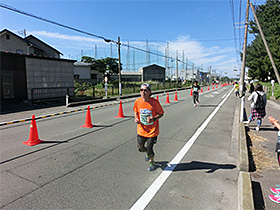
(82, 87)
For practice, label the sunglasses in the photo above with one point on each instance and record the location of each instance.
(145, 90)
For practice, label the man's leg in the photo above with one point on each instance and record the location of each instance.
(141, 143)
(150, 144)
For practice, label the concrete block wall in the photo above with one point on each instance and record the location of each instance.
(44, 73)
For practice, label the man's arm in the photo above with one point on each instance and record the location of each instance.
(155, 118)
(136, 118)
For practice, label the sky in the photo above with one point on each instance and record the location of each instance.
(201, 33)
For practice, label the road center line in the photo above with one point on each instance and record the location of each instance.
(145, 199)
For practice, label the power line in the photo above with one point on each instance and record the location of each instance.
(52, 22)
(78, 30)
(231, 4)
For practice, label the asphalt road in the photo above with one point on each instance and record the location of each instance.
(100, 168)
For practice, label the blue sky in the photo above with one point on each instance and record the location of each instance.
(203, 29)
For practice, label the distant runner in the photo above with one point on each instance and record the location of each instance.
(147, 112)
(196, 89)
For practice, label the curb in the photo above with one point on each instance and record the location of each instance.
(243, 151)
(245, 192)
(245, 196)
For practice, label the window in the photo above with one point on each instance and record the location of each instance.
(8, 36)
(20, 51)
(93, 76)
(76, 76)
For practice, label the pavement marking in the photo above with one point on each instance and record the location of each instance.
(145, 199)
(61, 113)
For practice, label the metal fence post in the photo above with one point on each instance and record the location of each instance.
(67, 100)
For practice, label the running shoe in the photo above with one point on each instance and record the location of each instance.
(275, 190)
(194, 105)
(257, 128)
(152, 166)
(275, 198)
(197, 102)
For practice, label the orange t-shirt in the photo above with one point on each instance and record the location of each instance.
(143, 110)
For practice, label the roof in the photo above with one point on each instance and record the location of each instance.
(153, 65)
(131, 73)
(7, 31)
(31, 36)
(35, 56)
(81, 63)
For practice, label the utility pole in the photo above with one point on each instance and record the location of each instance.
(167, 61)
(95, 55)
(171, 68)
(111, 51)
(192, 71)
(128, 58)
(244, 51)
(183, 61)
(147, 50)
(200, 73)
(241, 87)
(186, 69)
(266, 46)
(210, 77)
(177, 67)
(119, 66)
(134, 68)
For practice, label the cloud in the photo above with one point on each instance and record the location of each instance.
(222, 59)
(65, 37)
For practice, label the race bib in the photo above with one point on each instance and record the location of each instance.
(144, 113)
(195, 89)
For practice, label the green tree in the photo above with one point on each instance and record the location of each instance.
(257, 59)
(104, 64)
(87, 59)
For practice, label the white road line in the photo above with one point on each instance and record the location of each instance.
(145, 199)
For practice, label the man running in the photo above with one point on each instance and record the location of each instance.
(196, 89)
(147, 112)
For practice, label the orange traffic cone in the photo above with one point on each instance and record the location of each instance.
(167, 99)
(208, 88)
(120, 114)
(33, 134)
(216, 86)
(157, 98)
(213, 87)
(201, 90)
(88, 123)
(191, 93)
(176, 97)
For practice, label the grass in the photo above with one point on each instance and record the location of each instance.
(130, 88)
(268, 85)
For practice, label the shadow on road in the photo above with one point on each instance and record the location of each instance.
(205, 105)
(194, 165)
(56, 143)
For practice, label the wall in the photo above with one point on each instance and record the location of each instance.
(154, 73)
(12, 77)
(47, 51)
(46, 73)
(82, 71)
(12, 44)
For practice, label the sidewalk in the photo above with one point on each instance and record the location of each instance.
(264, 167)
